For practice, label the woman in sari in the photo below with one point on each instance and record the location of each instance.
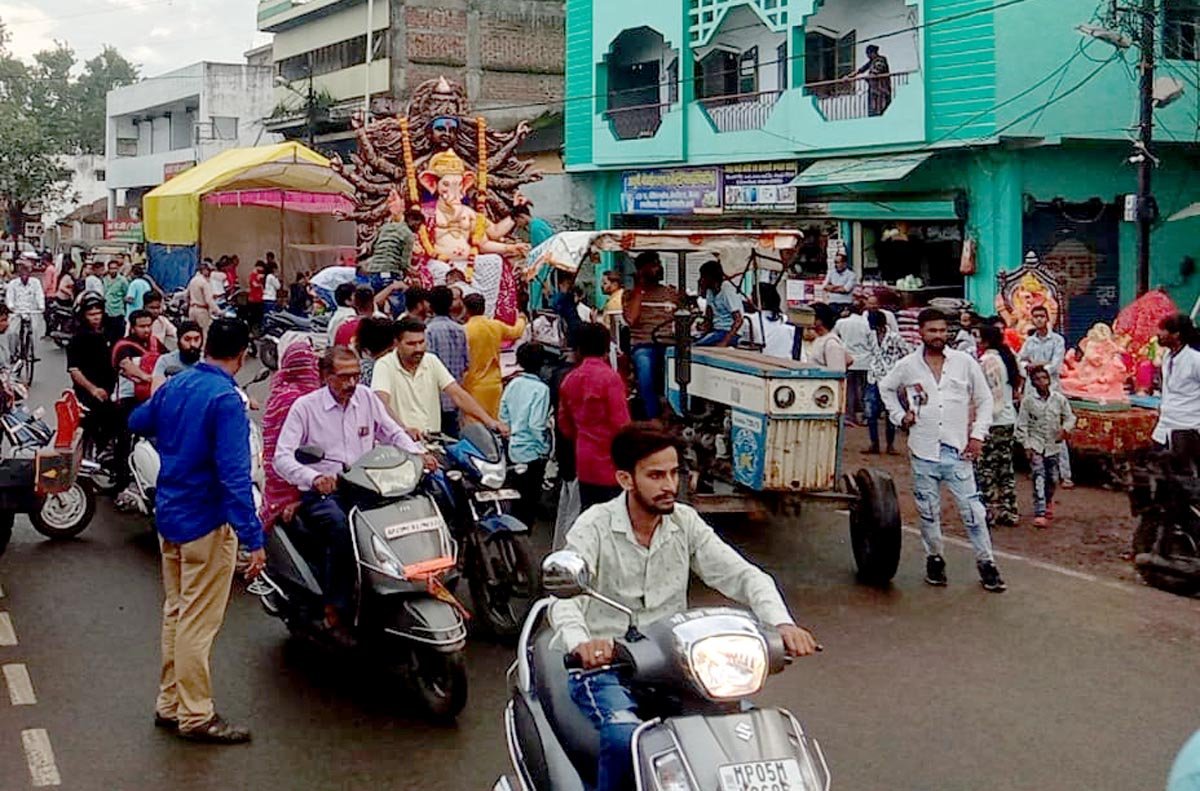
(297, 376)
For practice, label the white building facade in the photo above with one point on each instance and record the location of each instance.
(164, 125)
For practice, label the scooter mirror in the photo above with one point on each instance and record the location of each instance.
(309, 454)
(565, 575)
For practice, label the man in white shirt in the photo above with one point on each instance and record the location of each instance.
(840, 282)
(94, 281)
(855, 333)
(944, 387)
(1180, 407)
(343, 297)
(825, 348)
(24, 296)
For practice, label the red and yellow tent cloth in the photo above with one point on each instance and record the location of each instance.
(246, 201)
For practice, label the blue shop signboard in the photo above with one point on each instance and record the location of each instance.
(671, 191)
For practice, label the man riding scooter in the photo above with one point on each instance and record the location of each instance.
(345, 420)
(642, 546)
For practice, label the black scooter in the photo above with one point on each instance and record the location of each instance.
(1166, 495)
(692, 674)
(404, 613)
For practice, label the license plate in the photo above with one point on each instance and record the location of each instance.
(781, 775)
(408, 528)
(497, 495)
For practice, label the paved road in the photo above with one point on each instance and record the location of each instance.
(1062, 683)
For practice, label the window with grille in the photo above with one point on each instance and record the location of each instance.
(1181, 25)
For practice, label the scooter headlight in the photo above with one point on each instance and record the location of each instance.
(670, 774)
(729, 666)
(491, 473)
(395, 481)
(387, 559)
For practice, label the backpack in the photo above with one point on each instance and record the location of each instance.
(147, 358)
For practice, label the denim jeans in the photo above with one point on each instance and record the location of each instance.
(610, 707)
(873, 410)
(959, 476)
(1045, 478)
(650, 368)
(714, 338)
(1064, 463)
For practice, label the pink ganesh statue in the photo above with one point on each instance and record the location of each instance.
(1100, 374)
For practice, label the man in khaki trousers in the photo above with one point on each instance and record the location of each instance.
(203, 506)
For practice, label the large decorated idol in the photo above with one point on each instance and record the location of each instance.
(463, 176)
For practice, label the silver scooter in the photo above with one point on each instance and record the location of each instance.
(692, 674)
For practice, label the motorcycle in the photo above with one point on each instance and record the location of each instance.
(36, 479)
(60, 323)
(403, 611)
(692, 674)
(496, 559)
(1166, 495)
(278, 323)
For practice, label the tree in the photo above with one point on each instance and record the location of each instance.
(100, 75)
(31, 100)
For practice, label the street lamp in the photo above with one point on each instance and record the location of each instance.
(310, 109)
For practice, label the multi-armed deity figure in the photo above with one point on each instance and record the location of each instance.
(463, 176)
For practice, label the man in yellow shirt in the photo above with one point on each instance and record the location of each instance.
(484, 338)
(614, 289)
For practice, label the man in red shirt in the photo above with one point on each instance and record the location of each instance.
(364, 308)
(254, 296)
(593, 406)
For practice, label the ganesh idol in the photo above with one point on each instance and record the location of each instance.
(460, 234)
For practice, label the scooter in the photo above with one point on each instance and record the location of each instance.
(404, 613)
(1166, 496)
(692, 673)
(39, 478)
(497, 559)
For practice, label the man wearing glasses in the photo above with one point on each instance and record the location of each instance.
(345, 420)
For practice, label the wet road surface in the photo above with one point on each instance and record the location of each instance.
(1061, 683)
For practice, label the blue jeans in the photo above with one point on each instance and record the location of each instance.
(326, 296)
(650, 368)
(610, 707)
(1045, 478)
(959, 476)
(872, 410)
(378, 282)
(714, 338)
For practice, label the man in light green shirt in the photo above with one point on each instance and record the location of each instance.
(116, 286)
(410, 382)
(642, 548)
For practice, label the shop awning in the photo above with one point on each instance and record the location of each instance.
(900, 209)
(172, 210)
(855, 170)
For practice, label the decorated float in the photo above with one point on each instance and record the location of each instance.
(464, 177)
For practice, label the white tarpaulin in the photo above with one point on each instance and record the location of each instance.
(733, 248)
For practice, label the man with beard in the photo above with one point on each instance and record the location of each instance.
(640, 548)
(191, 344)
(948, 417)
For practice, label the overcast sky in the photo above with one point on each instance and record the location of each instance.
(157, 35)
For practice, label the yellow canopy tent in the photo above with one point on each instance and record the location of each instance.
(184, 214)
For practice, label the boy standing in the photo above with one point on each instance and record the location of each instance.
(525, 407)
(1043, 424)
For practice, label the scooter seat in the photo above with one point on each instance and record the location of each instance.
(578, 736)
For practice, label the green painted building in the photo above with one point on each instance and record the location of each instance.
(994, 122)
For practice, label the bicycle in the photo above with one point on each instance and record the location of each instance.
(24, 361)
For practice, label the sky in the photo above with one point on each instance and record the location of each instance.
(157, 35)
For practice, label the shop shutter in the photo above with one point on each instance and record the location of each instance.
(1078, 243)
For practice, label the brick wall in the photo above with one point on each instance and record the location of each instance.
(505, 51)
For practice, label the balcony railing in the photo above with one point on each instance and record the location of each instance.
(856, 97)
(636, 122)
(740, 112)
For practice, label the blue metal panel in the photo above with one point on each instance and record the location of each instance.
(749, 448)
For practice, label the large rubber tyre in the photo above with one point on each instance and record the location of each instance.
(501, 606)
(875, 527)
(6, 529)
(268, 352)
(64, 516)
(440, 681)
(1144, 538)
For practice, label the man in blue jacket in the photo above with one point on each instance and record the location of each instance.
(204, 504)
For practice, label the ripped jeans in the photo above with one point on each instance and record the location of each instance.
(610, 707)
(959, 476)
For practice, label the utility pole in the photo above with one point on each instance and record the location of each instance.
(1146, 206)
(310, 106)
